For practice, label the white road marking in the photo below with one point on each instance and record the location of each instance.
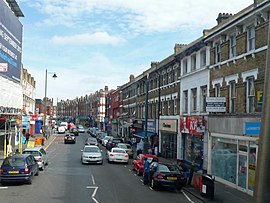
(93, 180)
(94, 193)
(3, 187)
(150, 188)
(187, 197)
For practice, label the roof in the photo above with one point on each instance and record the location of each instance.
(33, 148)
(15, 8)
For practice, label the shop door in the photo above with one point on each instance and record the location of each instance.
(242, 171)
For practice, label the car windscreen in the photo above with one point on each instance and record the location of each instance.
(91, 149)
(34, 153)
(91, 139)
(123, 146)
(13, 162)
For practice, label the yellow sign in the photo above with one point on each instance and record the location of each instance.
(260, 98)
(31, 144)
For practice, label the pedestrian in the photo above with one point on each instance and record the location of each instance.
(146, 170)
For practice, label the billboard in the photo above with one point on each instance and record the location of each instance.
(10, 43)
(215, 104)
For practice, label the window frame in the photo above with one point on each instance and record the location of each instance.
(250, 96)
(194, 100)
(232, 46)
(217, 52)
(232, 96)
(251, 34)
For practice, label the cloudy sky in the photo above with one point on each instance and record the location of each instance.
(93, 43)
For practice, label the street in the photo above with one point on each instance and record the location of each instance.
(65, 179)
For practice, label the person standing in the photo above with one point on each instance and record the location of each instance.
(146, 168)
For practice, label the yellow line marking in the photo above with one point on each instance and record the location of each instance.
(49, 144)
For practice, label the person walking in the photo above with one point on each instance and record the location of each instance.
(146, 168)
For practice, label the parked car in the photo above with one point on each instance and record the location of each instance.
(105, 140)
(91, 154)
(166, 175)
(40, 156)
(139, 160)
(117, 155)
(91, 141)
(18, 168)
(113, 142)
(69, 138)
(126, 147)
(81, 129)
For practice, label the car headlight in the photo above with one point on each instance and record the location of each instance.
(84, 156)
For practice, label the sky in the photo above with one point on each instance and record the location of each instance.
(91, 44)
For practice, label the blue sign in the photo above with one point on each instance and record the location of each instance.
(252, 128)
(10, 43)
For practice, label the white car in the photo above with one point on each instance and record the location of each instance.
(105, 140)
(40, 156)
(117, 155)
(91, 154)
(61, 129)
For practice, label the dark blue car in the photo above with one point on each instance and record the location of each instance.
(18, 168)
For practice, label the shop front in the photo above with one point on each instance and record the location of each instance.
(168, 138)
(192, 129)
(234, 158)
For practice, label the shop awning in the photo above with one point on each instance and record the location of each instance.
(142, 134)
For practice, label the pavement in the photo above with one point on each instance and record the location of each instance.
(222, 193)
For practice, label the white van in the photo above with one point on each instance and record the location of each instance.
(65, 124)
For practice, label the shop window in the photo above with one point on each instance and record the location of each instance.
(193, 149)
(224, 158)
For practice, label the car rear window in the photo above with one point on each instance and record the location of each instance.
(91, 149)
(118, 151)
(34, 153)
(14, 162)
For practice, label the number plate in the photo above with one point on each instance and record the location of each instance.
(171, 178)
(13, 172)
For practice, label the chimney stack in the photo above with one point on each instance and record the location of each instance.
(178, 48)
(222, 17)
(131, 78)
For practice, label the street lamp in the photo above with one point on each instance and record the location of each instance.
(45, 102)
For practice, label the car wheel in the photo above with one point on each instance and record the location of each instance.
(152, 184)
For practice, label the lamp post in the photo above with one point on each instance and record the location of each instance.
(146, 141)
(45, 102)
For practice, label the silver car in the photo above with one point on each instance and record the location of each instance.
(40, 156)
(91, 154)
